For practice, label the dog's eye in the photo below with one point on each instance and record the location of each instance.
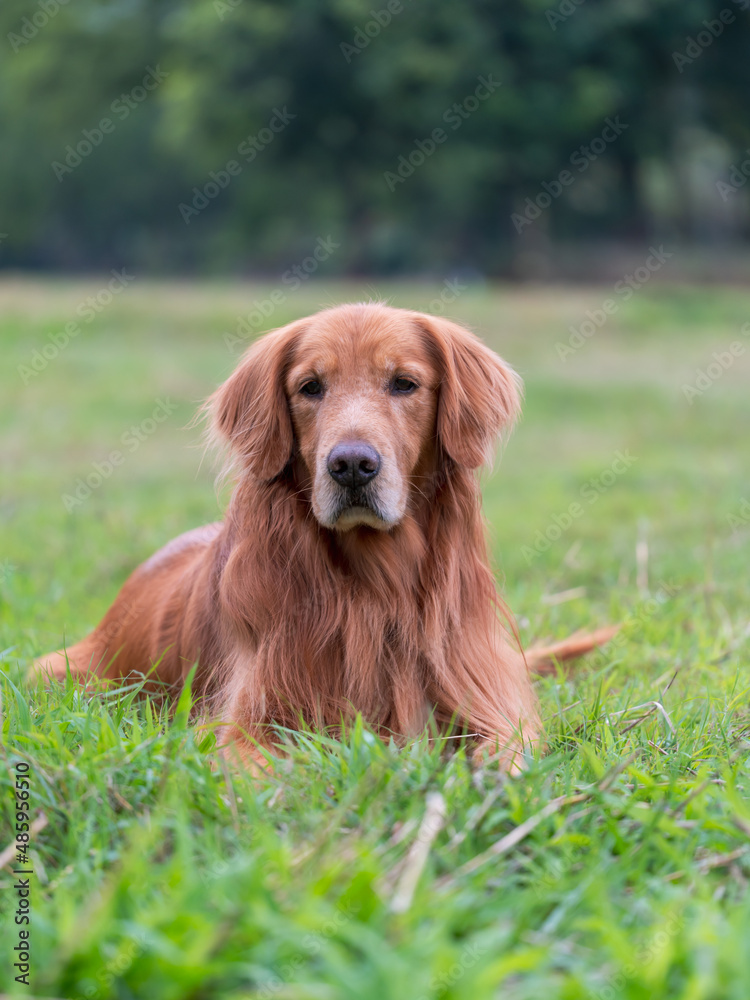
(404, 385)
(311, 388)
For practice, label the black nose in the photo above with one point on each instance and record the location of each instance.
(353, 463)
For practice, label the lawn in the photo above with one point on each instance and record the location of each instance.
(616, 867)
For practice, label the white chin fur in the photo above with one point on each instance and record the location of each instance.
(354, 517)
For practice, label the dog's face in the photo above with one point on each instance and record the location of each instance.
(365, 402)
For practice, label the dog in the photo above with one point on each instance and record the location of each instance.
(351, 572)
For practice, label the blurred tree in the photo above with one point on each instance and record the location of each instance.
(221, 135)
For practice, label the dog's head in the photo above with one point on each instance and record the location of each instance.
(365, 402)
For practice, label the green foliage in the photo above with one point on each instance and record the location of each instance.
(161, 874)
(364, 89)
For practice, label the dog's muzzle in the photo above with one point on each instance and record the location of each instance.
(353, 464)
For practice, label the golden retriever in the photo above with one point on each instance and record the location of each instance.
(351, 572)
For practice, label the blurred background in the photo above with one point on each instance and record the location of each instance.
(533, 139)
(566, 177)
(569, 179)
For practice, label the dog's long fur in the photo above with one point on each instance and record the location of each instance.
(390, 611)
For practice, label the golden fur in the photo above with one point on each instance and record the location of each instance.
(315, 600)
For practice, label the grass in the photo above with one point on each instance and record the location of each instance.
(616, 867)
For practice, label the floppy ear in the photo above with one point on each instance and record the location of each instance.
(250, 410)
(479, 396)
